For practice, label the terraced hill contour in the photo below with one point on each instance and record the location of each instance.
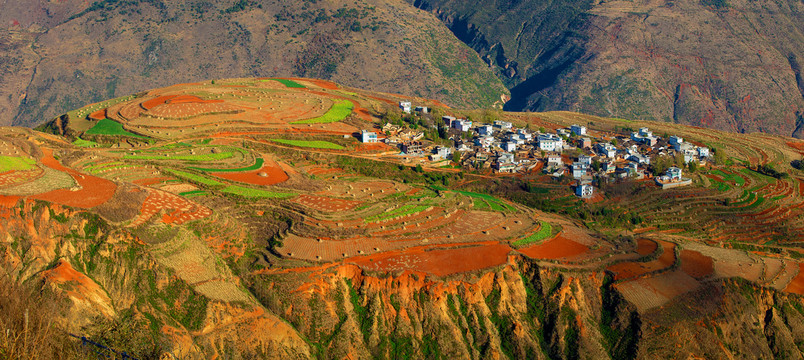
(241, 217)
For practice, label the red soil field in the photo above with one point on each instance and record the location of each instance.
(556, 248)
(98, 115)
(797, 145)
(646, 247)
(9, 178)
(321, 203)
(152, 103)
(696, 264)
(438, 262)
(796, 286)
(152, 181)
(629, 270)
(94, 191)
(7, 202)
(274, 173)
(183, 210)
(185, 99)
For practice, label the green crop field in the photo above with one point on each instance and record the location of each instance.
(194, 178)
(111, 127)
(8, 163)
(257, 165)
(84, 143)
(319, 144)
(288, 83)
(339, 111)
(490, 201)
(544, 232)
(193, 193)
(255, 193)
(197, 157)
(401, 211)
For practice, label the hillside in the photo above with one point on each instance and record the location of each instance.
(57, 56)
(729, 65)
(243, 218)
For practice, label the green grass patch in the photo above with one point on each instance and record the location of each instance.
(257, 165)
(544, 232)
(401, 211)
(318, 144)
(493, 203)
(194, 193)
(197, 157)
(732, 178)
(339, 111)
(113, 128)
(288, 83)
(84, 143)
(757, 175)
(195, 178)
(255, 193)
(9, 163)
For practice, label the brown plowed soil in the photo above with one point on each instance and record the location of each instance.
(274, 173)
(796, 286)
(558, 247)
(696, 264)
(646, 247)
(327, 204)
(439, 262)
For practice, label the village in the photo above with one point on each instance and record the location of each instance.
(585, 157)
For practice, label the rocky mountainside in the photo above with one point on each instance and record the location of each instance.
(241, 218)
(57, 56)
(733, 65)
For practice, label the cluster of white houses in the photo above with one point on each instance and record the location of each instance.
(507, 149)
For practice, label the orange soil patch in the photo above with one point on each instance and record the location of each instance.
(646, 247)
(796, 286)
(696, 264)
(80, 288)
(797, 145)
(438, 262)
(152, 103)
(273, 175)
(94, 191)
(321, 203)
(556, 248)
(7, 202)
(98, 115)
(9, 178)
(629, 270)
(374, 147)
(152, 181)
(645, 229)
(801, 187)
(185, 99)
(183, 210)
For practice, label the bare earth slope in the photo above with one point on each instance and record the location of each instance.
(57, 56)
(730, 65)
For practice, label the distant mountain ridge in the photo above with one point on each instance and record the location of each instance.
(729, 65)
(56, 56)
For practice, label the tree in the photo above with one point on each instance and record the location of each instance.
(693, 166)
(720, 156)
(614, 141)
(596, 165)
(456, 157)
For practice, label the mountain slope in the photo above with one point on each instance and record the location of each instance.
(61, 55)
(729, 65)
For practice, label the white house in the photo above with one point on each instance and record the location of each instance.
(578, 130)
(462, 124)
(584, 190)
(578, 171)
(554, 161)
(405, 106)
(644, 136)
(505, 157)
(674, 173)
(608, 167)
(639, 158)
(606, 149)
(585, 160)
(484, 141)
(550, 142)
(563, 132)
(690, 156)
(422, 109)
(508, 146)
(502, 125)
(703, 152)
(485, 130)
(368, 136)
(676, 141)
(448, 120)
